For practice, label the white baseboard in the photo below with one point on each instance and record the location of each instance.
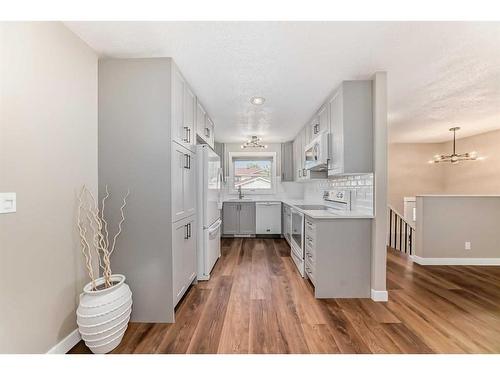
(455, 261)
(379, 295)
(63, 346)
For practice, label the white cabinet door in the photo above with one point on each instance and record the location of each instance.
(337, 135)
(323, 124)
(183, 111)
(210, 131)
(189, 184)
(189, 255)
(179, 164)
(302, 145)
(247, 218)
(183, 182)
(189, 117)
(179, 133)
(183, 256)
(179, 239)
(231, 218)
(201, 128)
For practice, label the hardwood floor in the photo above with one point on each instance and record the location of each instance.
(256, 302)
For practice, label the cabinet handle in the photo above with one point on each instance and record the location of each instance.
(189, 230)
(316, 129)
(207, 132)
(189, 161)
(186, 133)
(186, 161)
(186, 232)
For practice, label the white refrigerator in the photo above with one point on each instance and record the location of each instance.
(209, 209)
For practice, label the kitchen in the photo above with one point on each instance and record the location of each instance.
(329, 216)
(316, 190)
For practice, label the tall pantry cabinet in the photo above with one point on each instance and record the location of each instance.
(147, 137)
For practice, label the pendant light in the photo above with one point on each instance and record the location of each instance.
(454, 158)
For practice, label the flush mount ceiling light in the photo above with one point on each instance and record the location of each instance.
(253, 142)
(257, 100)
(454, 158)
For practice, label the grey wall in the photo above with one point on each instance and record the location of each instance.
(134, 152)
(445, 223)
(48, 150)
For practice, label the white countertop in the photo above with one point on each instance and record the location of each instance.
(315, 214)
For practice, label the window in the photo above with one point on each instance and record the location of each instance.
(253, 171)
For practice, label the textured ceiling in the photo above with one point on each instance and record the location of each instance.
(440, 74)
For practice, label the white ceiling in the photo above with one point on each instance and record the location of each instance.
(440, 74)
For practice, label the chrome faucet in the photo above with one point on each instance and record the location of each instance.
(240, 196)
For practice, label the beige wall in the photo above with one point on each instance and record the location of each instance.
(48, 149)
(444, 224)
(410, 173)
(479, 177)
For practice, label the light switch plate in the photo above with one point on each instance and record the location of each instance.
(7, 203)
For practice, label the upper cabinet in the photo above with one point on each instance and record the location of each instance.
(189, 118)
(351, 129)
(204, 125)
(347, 118)
(183, 111)
(287, 162)
(210, 132)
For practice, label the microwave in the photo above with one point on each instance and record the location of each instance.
(316, 153)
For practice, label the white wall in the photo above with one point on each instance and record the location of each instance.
(48, 149)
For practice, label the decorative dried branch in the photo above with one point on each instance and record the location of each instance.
(121, 222)
(106, 234)
(83, 240)
(95, 237)
(96, 226)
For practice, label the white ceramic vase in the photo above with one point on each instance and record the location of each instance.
(103, 315)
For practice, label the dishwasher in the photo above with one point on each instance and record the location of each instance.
(268, 218)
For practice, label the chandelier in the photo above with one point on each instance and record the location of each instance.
(253, 142)
(454, 158)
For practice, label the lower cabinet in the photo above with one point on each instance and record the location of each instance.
(238, 218)
(184, 255)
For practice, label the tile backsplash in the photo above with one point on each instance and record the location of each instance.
(361, 186)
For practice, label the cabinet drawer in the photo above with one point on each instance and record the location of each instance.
(310, 256)
(309, 271)
(310, 242)
(310, 226)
